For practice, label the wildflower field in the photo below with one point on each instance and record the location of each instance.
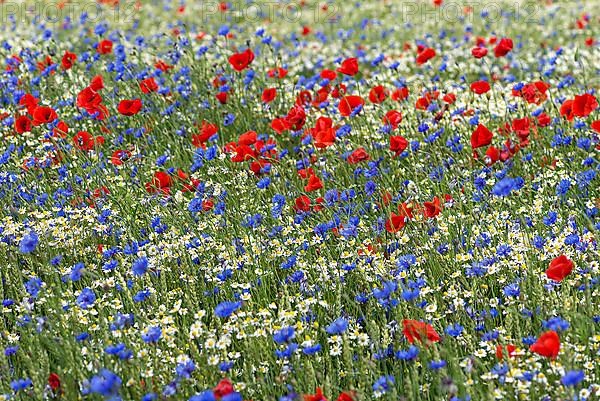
(310, 200)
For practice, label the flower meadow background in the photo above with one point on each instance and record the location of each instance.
(299, 201)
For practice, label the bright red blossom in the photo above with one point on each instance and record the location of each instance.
(349, 67)
(503, 47)
(481, 137)
(348, 104)
(559, 268)
(547, 345)
(416, 331)
(425, 55)
(240, 61)
(130, 107)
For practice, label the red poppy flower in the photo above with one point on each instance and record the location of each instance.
(280, 125)
(503, 47)
(480, 87)
(129, 107)
(206, 132)
(349, 67)
(119, 156)
(161, 182)
(543, 120)
(54, 381)
(449, 98)
(328, 74)
(481, 137)
(492, 155)
(533, 93)
(68, 60)
(43, 115)
(400, 94)
(566, 109)
(304, 98)
(547, 345)
(358, 156)
(317, 396)
(88, 98)
(223, 388)
(277, 73)
(296, 118)
(346, 396)
(222, 97)
(148, 85)
(596, 126)
(240, 61)
(584, 104)
(423, 103)
(338, 91)
(559, 268)
(479, 52)
(97, 83)
(22, 124)
(258, 167)
(378, 94)
(83, 140)
(302, 204)
(522, 126)
(314, 183)
(348, 104)
(306, 172)
(104, 47)
(324, 138)
(422, 332)
(425, 55)
(91, 101)
(398, 144)
(509, 349)
(268, 95)
(248, 138)
(243, 153)
(60, 130)
(161, 65)
(30, 102)
(393, 118)
(395, 223)
(433, 208)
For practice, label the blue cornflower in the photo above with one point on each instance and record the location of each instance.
(140, 266)
(435, 365)
(556, 323)
(105, 383)
(33, 286)
(454, 330)
(284, 335)
(563, 187)
(226, 308)
(29, 242)
(572, 378)
(152, 335)
(512, 290)
(185, 369)
(312, 349)
(86, 298)
(235, 396)
(207, 395)
(338, 326)
(20, 384)
(504, 187)
(382, 384)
